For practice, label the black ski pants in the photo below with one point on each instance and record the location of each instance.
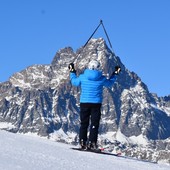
(89, 113)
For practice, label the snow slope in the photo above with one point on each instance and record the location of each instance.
(19, 152)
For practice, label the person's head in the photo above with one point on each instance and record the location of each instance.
(94, 65)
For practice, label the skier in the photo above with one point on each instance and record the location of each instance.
(91, 83)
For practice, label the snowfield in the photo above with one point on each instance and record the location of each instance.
(21, 152)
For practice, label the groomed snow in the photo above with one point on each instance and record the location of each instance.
(21, 152)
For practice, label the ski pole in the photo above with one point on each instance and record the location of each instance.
(93, 33)
(88, 40)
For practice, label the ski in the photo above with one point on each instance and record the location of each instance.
(99, 151)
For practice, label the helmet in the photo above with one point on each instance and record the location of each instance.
(93, 65)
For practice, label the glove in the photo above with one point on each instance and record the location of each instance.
(117, 69)
(71, 68)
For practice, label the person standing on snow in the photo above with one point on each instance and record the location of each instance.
(91, 82)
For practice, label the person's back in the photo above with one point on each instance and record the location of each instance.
(91, 83)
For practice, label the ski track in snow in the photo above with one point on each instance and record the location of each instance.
(21, 152)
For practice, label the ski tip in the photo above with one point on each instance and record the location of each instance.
(102, 149)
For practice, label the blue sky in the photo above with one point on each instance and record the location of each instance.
(32, 31)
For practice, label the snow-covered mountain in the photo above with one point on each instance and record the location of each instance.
(41, 100)
(31, 153)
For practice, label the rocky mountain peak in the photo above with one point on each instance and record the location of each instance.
(41, 100)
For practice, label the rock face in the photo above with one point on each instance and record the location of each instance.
(41, 100)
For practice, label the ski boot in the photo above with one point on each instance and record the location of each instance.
(93, 147)
(83, 144)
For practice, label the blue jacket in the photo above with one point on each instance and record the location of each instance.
(91, 83)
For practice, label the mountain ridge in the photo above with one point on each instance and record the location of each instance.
(41, 100)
